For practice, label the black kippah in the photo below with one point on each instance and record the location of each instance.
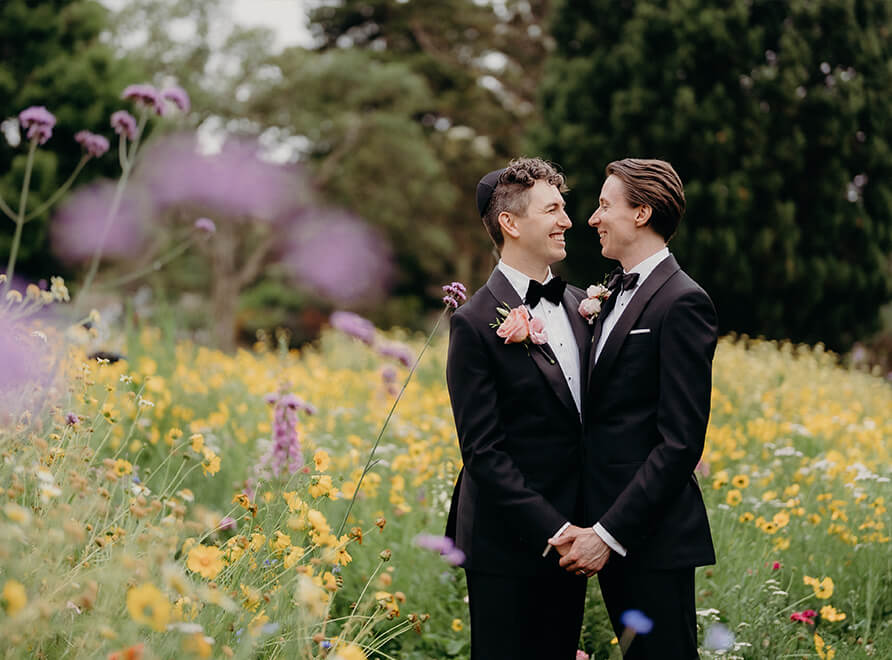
(484, 189)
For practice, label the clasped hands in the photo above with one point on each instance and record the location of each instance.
(582, 551)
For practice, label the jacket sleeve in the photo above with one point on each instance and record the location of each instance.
(688, 338)
(482, 438)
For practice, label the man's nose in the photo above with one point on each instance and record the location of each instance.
(593, 219)
(564, 220)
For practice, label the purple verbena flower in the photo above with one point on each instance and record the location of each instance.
(285, 451)
(124, 124)
(205, 225)
(39, 121)
(456, 294)
(337, 256)
(227, 523)
(76, 228)
(177, 96)
(354, 325)
(95, 145)
(71, 419)
(388, 375)
(145, 95)
(399, 352)
(443, 545)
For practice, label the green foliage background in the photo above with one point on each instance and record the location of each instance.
(51, 55)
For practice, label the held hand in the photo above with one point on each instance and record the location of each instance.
(587, 555)
(563, 542)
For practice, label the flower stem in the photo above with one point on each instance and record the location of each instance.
(5, 208)
(61, 191)
(154, 266)
(368, 462)
(126, 166)
(20, 216)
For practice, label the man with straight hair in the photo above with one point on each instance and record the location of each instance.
(646, 410)
(517, 355)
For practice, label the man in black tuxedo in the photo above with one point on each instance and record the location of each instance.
(646, 410)
(517, 412)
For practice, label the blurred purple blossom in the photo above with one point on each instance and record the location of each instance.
(235, 182)
(337, 255)
(637, 620)
(95, 145)
(124, 124)
(388, 375)
(39, 121)
(227, 523)
(718, 638)
(354, 325)
(72, 419)
(27, 361)
(443, 545)
(399, 352)
(145, 95)
(285, 450)
(205, 225)
(77, 225)
(177, 96)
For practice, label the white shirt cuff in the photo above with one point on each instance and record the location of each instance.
(607, 537)
(548, 546)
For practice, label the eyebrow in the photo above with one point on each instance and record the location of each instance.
(552, 205)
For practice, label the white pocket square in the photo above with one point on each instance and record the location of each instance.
(640, 331)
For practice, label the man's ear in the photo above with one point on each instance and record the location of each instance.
(508, 225)
(642, 216)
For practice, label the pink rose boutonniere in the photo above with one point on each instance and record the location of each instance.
(590, 307)
(517, 327)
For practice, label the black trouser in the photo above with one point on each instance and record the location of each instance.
(665, 597)
(517, 617)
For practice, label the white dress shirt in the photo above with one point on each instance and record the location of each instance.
(557, 328)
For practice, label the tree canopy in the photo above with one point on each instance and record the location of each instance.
(776, 116)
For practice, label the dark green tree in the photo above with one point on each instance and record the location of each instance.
(51, 55)
(777, 116)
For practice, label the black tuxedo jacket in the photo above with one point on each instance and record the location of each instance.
(520, 436)
(646, 410)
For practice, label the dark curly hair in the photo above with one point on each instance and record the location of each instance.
(512, 191)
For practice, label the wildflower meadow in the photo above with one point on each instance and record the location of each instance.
(185, 502)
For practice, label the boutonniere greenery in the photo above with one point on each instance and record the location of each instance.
(590, 306)
(517, 326)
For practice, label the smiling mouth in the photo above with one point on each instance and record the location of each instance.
(558, 237)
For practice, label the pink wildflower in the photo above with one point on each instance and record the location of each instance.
(39, 121)
(95, 145)
(177, 96)
(145, 95)
(124, 124)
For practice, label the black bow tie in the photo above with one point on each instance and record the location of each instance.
(619, 279)
(553, 291)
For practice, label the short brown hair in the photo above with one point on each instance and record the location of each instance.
(655, 183)
(511, 194)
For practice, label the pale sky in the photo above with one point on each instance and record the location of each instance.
(287, 18)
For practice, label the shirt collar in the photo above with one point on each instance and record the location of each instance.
(647, 266)
(518, 280)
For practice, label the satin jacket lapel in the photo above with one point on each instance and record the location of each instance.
(639, 301)
(542, 355)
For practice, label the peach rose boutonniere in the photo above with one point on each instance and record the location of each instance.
(516, 326)
(590, 306)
